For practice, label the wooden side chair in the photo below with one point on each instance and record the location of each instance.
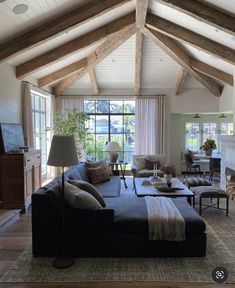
(191, 165)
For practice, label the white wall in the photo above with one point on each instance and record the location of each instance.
(10, 95)
(226, 99)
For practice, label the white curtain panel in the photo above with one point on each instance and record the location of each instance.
(70, 102)
(27, 116)
(149, 129)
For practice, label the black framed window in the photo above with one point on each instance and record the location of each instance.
(110, 120)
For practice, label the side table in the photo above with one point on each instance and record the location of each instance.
(122, 165)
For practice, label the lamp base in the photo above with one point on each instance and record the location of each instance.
(113, 156)
(63, 262)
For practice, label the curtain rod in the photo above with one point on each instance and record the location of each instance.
(37, 87)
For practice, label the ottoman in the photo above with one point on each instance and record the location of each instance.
(210, 192)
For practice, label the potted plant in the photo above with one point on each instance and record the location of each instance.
(72, 122)
(168, 171)
(208, 146)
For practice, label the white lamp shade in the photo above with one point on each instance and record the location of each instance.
(113, 147)
(63, 151)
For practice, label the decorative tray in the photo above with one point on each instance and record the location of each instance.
(169, 189)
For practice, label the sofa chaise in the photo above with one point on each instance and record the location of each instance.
(119, 229)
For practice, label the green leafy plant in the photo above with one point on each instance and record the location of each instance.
(208, 144)
(72, 122)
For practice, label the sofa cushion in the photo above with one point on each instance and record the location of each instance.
(131, 216)
(90, 189)
(93, 164)
(98, 174)
(79, 199)
(110, 188)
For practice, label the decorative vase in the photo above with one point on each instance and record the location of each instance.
(167, 177)
(208, 152)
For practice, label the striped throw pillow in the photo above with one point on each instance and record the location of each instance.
(98, 174)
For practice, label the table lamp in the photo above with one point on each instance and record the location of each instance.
(62, 154)
(113, 148)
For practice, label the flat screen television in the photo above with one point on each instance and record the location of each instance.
(11, 137)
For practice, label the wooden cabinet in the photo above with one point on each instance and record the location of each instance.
(20, 176)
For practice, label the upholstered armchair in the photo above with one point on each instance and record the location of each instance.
(144, 165)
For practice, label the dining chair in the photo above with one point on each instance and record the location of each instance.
(191, 165)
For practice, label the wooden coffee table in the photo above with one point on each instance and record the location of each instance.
(150, 190)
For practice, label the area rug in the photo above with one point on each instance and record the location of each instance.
(220, 252)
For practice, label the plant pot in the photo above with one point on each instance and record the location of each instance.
(208, 152)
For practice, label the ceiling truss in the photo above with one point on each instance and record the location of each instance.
(162, 32)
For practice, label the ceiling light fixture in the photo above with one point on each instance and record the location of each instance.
(196, 116)
(20, 9)
(222, 116)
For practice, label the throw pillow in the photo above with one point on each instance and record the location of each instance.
(78, 198)
(93, 164)
(98, 174)
(140, 162)
(150, 163)
(90, 189)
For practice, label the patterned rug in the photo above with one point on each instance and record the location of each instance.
(220, 252)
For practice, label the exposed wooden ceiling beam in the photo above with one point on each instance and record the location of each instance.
(182, 34)
(57, 26)
(138, 60)
(110, 44)
(211, 71)
(141, 12)
(62, 73)
(73, 46)
(180, 81)
(179, 55)
(204, 13)
(94, 85)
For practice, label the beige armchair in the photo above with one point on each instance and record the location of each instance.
(143, 165)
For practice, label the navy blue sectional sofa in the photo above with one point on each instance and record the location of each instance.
(119, 229)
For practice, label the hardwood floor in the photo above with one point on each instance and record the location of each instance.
(16, 237)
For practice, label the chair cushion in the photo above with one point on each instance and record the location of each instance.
(192, 182)
(209, 191)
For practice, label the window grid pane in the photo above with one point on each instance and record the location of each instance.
(110, 121)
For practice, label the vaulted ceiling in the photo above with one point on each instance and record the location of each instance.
(121, 43)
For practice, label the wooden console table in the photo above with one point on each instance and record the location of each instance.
(20, 176)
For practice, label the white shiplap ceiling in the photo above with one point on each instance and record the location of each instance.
(118, 69)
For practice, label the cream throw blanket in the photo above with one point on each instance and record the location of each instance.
(164, 219)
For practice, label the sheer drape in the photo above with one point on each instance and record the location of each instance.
(70, 102)
(149, 129)
(27, 116)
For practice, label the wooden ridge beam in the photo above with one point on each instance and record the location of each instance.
(73, 46)
(182, 34)
(110, 44)
(94, 85)
(204, 13)
(180, 56)
(138, 60)
(180, 81)
(141, 12)
(212, 72)
(62, 73)
(57, 26)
